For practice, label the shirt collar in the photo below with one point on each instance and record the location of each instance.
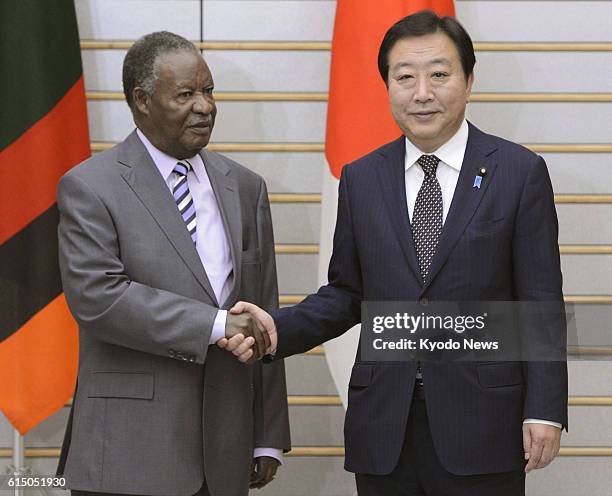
(165, 163)
(451, 152)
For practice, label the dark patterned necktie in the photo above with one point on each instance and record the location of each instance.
(427, 216)
(183, 199)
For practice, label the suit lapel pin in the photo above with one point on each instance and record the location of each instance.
(482, 172)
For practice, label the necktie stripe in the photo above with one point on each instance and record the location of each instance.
(180, 191)
(189, 214)
(183, 198)
(185, 203)
(180, 200)
(179, 181)
(181, 169)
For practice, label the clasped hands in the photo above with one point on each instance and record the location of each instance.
(250, 332)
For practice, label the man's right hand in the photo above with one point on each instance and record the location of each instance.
(255, 335)
(241, 346)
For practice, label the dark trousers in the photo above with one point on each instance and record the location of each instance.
(419, 472)
(202, 492)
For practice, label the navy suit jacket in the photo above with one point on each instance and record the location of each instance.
(499, 242)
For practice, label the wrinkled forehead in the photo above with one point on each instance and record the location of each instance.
(178, 67)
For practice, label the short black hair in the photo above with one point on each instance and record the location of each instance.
(421, 24)
(139, 62)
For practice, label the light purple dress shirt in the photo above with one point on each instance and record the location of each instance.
(215, 254)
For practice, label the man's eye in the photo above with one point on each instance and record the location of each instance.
(403, 77)
(185, 94)
(439, 74)
(209, 90)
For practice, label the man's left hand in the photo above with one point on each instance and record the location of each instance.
(263, 471)
(541, 445)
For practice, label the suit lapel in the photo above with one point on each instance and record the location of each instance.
(228, 198)
(142, 176)
(478, 153)
(392, 178)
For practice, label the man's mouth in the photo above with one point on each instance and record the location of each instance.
(424, 115)
(200, 127)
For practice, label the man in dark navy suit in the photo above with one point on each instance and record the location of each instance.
(413, 226)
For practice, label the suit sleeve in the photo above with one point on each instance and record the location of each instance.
(336, 307)
(271, 409)
(538, 278)
(103, 299)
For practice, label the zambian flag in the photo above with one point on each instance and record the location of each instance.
(43, 133)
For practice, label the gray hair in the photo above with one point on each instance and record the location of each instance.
(139, 65)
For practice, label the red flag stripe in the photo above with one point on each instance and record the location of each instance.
(32, 165)
(358, 115)
(43, 352)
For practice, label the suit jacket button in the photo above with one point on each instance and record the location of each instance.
(424, 302)
(171, 353)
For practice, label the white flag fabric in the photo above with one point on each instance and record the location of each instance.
(339, 352)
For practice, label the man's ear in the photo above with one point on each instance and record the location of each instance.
(470, 82)
(141, 99)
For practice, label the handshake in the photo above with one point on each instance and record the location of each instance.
(250, 333)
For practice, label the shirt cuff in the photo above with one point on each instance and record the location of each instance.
(545, 422)
(271, 452)
(218, 329)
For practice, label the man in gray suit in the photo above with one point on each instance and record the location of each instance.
(157, 237)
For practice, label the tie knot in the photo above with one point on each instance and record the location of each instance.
(182, 168)
(429, 164)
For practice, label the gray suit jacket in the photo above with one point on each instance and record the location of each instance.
(156, 408)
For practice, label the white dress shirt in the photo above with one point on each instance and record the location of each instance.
(451, 156)
(215, 253)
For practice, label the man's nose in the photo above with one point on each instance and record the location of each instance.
(203, 104)
(422, 92)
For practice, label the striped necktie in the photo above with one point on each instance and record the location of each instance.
(183, 199)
